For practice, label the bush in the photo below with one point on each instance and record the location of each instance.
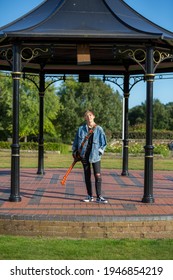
(136, 148)
(5, 145)
(114, 148)
(28, 146)
(161, 149)
(63, 148)
(157, 134)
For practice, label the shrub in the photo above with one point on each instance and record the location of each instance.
(157, 134)
(136, 148)
(63, 148)
(161, 149)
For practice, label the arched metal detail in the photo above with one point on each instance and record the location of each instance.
(135, 79)
(160, 56)
(54, 79)
(27, 54)
(32, 78)
(50, 79)
(7, 54)
(117, 81)
(137, 55)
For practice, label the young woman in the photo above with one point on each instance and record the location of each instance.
(89, 144)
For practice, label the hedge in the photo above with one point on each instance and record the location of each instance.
(161, 134)
(62, 148)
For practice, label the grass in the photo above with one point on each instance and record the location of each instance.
(55, 160)
(27, 248)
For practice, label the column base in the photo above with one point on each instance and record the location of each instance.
(40, 172)
(148, 199)
(14, 198)
(125, 173)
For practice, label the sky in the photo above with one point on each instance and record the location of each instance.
(160, 12)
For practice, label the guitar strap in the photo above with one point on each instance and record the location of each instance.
(91, 131)
(78, 158)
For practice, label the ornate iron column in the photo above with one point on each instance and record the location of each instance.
(125, 128)
(148, 172)
(15, 148)
(41, 124)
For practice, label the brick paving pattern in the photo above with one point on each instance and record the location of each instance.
(50, 209)
(44, 197)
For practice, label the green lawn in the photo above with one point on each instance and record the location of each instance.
(27, 248)
(55, 160)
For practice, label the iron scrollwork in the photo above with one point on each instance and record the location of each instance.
(49, 79)
(116, 80)
(138, 55)
(53, 79)
(7, 54)
(119, 81)
(134, 80)
(159, 56)
(27, 54)
(33, 78)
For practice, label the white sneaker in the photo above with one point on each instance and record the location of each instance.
(88, 199)
(101, 200)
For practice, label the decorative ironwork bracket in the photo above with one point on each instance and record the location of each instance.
(54, 79)
(139, 56)
(7, 54)
(49, 78)
(160, 56)
(32, 78)
(134, 80)
(119, 81)
(27, 54)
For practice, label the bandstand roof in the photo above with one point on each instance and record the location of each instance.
(57, 32)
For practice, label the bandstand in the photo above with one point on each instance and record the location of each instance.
(88, 37)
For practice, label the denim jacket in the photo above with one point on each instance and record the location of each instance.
(98, 145)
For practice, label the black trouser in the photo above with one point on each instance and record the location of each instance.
(97, 175)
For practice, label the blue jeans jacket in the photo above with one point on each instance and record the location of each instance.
(98, 145)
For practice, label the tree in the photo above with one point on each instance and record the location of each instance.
(137, 115)
(5, 107)
(161, 116)
(76, 98)
(169, 109)
(29, 108)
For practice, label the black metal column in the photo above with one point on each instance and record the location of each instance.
(148, 172)
(125, 128)
(15, 148)
(41, 124)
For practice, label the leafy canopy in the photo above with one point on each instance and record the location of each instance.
(76, 98)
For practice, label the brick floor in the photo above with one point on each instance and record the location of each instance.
(45, 199)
